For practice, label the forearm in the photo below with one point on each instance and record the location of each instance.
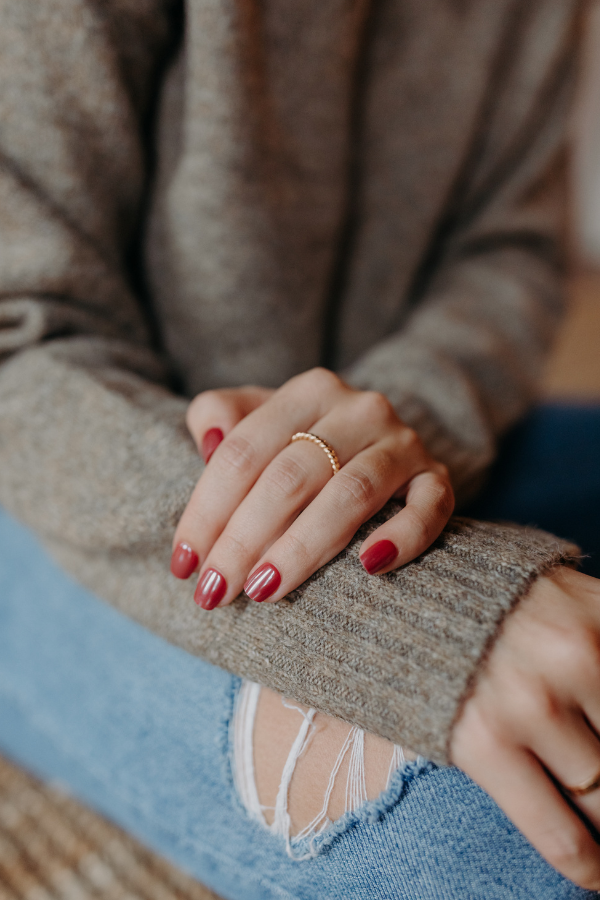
(394, 654)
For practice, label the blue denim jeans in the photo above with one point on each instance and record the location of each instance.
(140, 730)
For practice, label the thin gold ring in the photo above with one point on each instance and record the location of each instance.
(586, 788)
(331, 454)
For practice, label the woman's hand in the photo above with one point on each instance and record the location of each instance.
(530, 729)
(266, 514)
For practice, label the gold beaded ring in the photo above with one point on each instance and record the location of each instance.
(327, 448)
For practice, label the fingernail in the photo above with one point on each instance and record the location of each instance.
(263, 583)
(379, 556)
(210, 442)
(183, 561)
(210, 590)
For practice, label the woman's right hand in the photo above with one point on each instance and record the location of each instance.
(531, 727)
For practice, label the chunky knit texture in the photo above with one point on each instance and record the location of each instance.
(374, 186)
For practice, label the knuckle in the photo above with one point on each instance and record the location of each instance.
(375, 408)
(321, 379)
(231, 546)
(411, 441)
(385, 463)
(237, 453)
(442, 499)
(287, 477)
(356, 486)
(418, 526)
(573, 652)
(297, 549)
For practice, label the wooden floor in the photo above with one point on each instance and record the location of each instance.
(52, 848)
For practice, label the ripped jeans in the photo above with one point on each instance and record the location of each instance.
(143, 732)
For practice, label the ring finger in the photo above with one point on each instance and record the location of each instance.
(570, 750)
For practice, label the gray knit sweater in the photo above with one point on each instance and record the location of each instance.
(236, 192)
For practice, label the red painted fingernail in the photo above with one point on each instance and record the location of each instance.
(263, 583)
(211, 589)
(210, 442)
(379, 556)
(183, 561)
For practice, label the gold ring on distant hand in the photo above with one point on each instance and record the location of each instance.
(327, 448)
(586, 788)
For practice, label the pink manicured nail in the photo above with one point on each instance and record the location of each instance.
(211, 589)
(263, 583)
(183, 561)
(379, 556)
(210, 442)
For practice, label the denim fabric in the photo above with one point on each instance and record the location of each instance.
(140, 730)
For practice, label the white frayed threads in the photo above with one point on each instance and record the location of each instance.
(356, 783)
(398, 759)
(243, 753)
(281, 823)
(243, 756)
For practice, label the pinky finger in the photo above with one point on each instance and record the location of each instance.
(429, 505)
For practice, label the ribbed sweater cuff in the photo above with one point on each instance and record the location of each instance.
(395, 654)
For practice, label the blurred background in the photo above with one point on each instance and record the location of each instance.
(574, 369)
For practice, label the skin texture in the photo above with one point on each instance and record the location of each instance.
(532, 722)
(276, 727)
(262, 500)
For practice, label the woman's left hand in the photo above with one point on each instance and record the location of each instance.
(267, 513)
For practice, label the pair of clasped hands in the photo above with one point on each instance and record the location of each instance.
(268, 512)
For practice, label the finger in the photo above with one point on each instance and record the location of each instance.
(429, 505)
(516, 780)
(213, 414)
(248, 449)
(570, 750)
(329, 522)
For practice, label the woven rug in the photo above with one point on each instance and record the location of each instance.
(53, 848)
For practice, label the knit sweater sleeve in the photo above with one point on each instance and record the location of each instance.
(94, 453)
(466, 363)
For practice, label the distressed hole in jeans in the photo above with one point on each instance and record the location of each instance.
(298, 770)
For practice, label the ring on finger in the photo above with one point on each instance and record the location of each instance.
(327, 448)
(586, 788)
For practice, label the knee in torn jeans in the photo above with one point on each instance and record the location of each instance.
(297, 770)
